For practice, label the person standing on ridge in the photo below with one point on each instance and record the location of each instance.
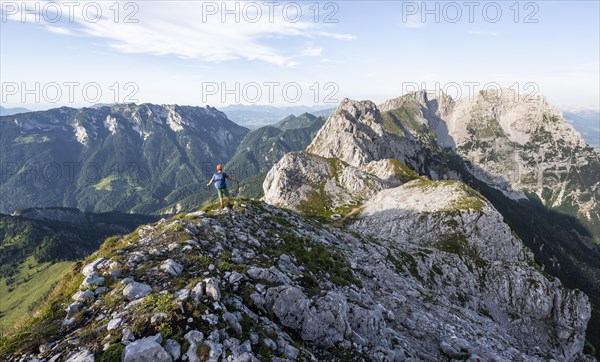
(220, 178)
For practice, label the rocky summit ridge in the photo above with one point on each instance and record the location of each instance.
(437, 277)
(366, 157)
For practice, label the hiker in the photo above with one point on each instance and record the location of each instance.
(220, 178)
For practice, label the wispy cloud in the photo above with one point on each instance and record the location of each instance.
(188, 30)
(335, 35)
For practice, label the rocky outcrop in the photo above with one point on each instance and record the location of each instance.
(146, 349)
(518, 144)
(481, 264)
(311, 183)
(357, 134)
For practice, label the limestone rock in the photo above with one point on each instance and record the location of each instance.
(303, 181)
(135, 290)
(84, 355)
(145, 349)
(172, 267)
(212, 289)
(92, 267)
(93, 279)
(83, 296)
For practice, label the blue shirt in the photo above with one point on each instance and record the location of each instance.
(219, 179)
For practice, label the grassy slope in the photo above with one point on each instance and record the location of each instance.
(40, 279)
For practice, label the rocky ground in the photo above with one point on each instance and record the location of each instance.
(441, 279)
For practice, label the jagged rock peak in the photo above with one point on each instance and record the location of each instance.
(358, 109)
(427, 99)
(510, 142)
(357, 134)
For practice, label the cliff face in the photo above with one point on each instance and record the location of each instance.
(477, 263)
(518, 144)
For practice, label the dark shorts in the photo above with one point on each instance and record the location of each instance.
(222, 193)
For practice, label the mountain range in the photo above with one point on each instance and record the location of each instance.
(11, 111)
(263, 147)
(427, 187)
(131, 158)
(586, 122)
(128, 158)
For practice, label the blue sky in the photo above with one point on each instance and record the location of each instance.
(186, 53)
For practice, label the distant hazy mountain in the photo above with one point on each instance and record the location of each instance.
(254, 116)
(324, 112)
(11, 111)
(305, 120)
(587, 122)
(100, 105)
(131, 158)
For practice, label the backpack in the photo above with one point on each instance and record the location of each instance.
(220, 178)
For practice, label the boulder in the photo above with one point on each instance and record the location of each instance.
(135, 290)
(145, 350)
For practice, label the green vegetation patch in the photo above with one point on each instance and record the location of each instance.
(457, 243)
(112, 354)
(203, 352)
(45, 323)
(114, 183)
(404, 261)
(105, 183)
(406, 114)
(317, 202)
(317, 259)
(20, 293)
